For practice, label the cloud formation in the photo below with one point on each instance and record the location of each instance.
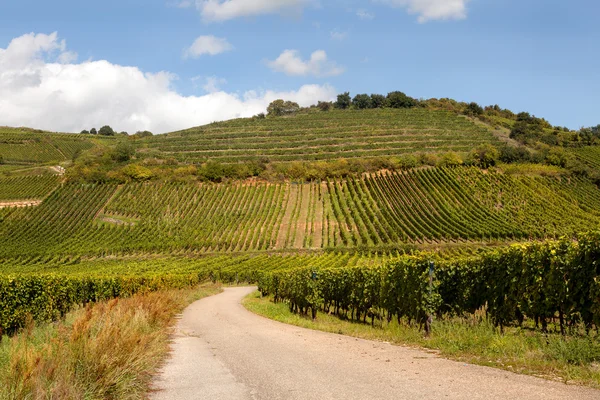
(428, 10)
(291, 63)
(223, 10)
(207, 45)
(40, 91)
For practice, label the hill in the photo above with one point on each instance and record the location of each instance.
(318, 135)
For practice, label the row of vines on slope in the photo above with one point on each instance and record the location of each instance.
(540, 282)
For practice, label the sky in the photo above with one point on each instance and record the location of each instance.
(165, 65)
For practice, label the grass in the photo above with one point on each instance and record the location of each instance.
(570, 359)
(109, 350)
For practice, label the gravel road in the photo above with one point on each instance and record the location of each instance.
(222, 351)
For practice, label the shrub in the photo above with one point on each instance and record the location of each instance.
(400, 100)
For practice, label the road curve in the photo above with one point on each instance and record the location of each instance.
(222, 351)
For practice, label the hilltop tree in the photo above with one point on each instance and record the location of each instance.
(362, 101)
(378, 101)
(343, 101)
(85, 132)
(474, 109)
(106, 131)
(400, 100)
(93, 131)
(280, 107)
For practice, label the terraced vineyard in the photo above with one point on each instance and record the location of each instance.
(386, 211)
(31, 147)
(589, 155)
(322, 136)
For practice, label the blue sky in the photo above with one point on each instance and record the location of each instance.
(538, 56)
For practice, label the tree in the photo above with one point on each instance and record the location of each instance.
(378, 101)
(279, 107)
(123, 152)
(474, 109)
(485, 156)
(85, 132)
(362, 101)
(106, 131)
(93, 131)
(400, 100)
(343, 101)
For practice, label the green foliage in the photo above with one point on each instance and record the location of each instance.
(485, 156)
(537, 281)
(343, 101)
(142, 134)
(122, 152)
(85, 132)
(106, 131)
(280, 107)
(378, 101)
(93, 131)
(137, 172)
(400, 100)
(474, 109)
(362, 101)
(27, 187)
(50, 297)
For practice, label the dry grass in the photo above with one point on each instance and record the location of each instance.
(109, 350)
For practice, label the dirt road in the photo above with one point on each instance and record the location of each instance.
(222, 351)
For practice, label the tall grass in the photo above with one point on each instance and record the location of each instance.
(109, 350)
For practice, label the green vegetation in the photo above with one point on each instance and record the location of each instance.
(27, 187)
(554, 283)
(431, 206)
(320, 136)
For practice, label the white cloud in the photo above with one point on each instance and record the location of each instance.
(363, 14)
(338, 35)
(210, 45)
(210, 84)
(223, 10)
(290, 63)
(428, 10)
(37, 90)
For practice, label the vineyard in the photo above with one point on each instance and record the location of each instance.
(321, 136)
(426, 207)
(553, 282)
(590, 155)
(27, 187)
(19, 146)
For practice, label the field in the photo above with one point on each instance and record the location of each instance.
(514, 245)
(26, 146)
(427, 207)
(590, 155)
(321, 136)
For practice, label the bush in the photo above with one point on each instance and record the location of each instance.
(122, 152)
(106, 131)
(485, 155)
(343, 101)
(400, 100)
(279, 107)
(378, 101)
(137, 172)
(362, 101)
(324, 105)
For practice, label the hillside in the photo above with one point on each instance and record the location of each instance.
(25, 147)
(321, 136)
